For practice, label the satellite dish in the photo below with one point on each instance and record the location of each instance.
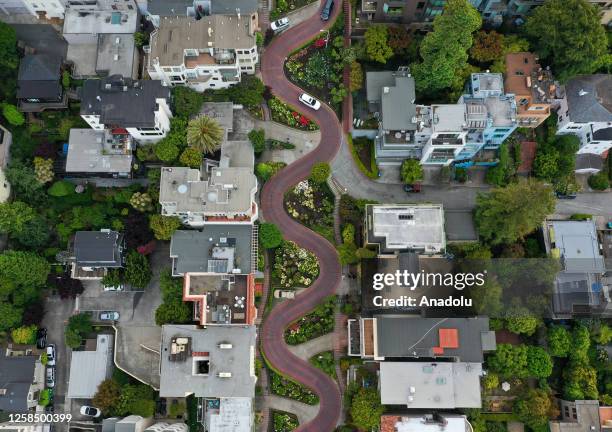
(182, 189)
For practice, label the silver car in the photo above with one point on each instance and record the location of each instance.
(280, 25)
(109, 316)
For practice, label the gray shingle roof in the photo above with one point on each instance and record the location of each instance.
(16, 376)
(589, 98)
(98, 248)
(588, 161)
(39, 76)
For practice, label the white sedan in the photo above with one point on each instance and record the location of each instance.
(90, 411)
(309, 101)
(280, 25)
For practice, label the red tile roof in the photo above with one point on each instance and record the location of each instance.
(449, 338)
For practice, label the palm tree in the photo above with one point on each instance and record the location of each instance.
(204, 134)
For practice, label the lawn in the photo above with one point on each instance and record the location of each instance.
(317, 323)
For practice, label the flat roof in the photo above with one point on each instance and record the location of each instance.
(87, 153)
(116, 54)
(459, 225)
(578, 245)
(89, 368)
(587, 413)
(100, 21)
(235, 415)
(221, 248)
(448, 118)
(426, 423)
(398, 108)
(229, 351)
(222, 112)
(422, 385)
(408, 336)
(406, 227)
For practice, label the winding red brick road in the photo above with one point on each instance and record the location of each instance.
(272, 333)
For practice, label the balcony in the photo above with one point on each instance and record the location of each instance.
(368, 6)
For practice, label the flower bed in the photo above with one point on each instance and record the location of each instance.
(285, 387)
(283, 7)
(284, 422)
(312, 205)
(284, 114)
(294, 266)
(325, 362)
(317, 323)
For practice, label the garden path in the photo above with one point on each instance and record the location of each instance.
(314, 346)
(304, 412)
(304, 141)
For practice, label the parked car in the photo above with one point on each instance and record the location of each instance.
(109, 316)
(50, 377)
(280, 25)
(286, 294)
(114, 288)
(414, 188)
(327, 10)
(90, 411)
(309, 101)
(566, 196)
(51, 355)
(41, 338)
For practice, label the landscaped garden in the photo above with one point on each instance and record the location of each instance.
(285, 387)
(285, 6)
(363, 153)
(289, 116)
(317, 323)
(312, 204)
(284, 422)
(325, 361)
(294, 267)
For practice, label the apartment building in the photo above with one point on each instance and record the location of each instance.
(141, 108)
(586, 111)
(522, 8)
(223, 192)
(157, 9)
(533, 87)
(212, 52)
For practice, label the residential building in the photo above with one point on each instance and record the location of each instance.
(393, 228)
(100, 36)
(212, 52)
(46, 9)
(437, 422)
(216, 364)
(38, 83)
(218, 264)
(520, 9)
(581, 416)
(167, 427)
(88, 368)
(582, 287)
(106, 153)
(198, 9)
(586, 111)
(93, 252)
(425, 385)
(22, 378)
(134, 423)
(386, 337)
(588, 163)
(533, 87)
(222, 192)
(142, 108)
(391, 96)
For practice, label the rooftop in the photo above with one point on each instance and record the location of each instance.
(464, 339)
(176, 34)
(396, 93)
(525, 77)
(16, 376)
(426, 423)
(230, 415)
(98, 248)
(93, 151)
(214, 361)
(485, 85)
(116, 54)
(589, 98)
(89, 368)
(397, 227)
(587, 418)
(100, 21)
(39, 76)
(219, 248)
(576, 243)
(122, 101)
(448, 118)
(223, 112)
(421, 385)
(588, 161)
(212, 7)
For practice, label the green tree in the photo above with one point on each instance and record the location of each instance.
(347, 253)
(444, 50)
(164, 226)
(24, 269)
(581, 342)
(9, 58)
(580, 382)
(35, 233)
(509, 360)
(488, 46)
(186, 102)
(80, 323)
(348, 233)
(411, 171)
(499, 174)
(508, 214)
(173, 312)
(520, 321)
(320, 172)
(191, 158)
(258, 140)
(490, 381)
(166, 150)
(107, 396)
(377, 48)
(72, 338)
(488, 297)
(577, 41)
(141, 201)
(248, 92)
(533, 408)
(356, 78)
(539, 363)
(112, 278)
(137, 270)
(141, 39)
(399, 40)
(25, 335)
(10, 316)
(24, 184)
(559, 341)
(12, 114)
(204, 134)
(270, 236)
(599, 181)
(366, 409)
(14, 216)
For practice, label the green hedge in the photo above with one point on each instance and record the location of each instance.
(373, 171)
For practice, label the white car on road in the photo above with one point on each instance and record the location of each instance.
(309, 101)
(90, 411)
(51, 355)
(280, 25)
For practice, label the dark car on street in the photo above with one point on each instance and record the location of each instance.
(41, 338)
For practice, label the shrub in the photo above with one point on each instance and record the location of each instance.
(137, 270)
(269, 235)
(258, 139)
(12, 114)
(320, 172)
(61, 188)
(191, 157)
(43, 168)
(164, 226)
(599, 181)
(141, 201)
(25, 335)
(166, 150)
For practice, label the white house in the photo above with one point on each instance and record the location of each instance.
(212, 52)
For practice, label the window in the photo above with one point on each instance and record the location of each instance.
(212, 85)
(420, 5)
(588, 137)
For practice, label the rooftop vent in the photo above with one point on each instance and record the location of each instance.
(224, 375)
(182, 189)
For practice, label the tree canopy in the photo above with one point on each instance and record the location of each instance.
(411, 171)
(204, 134)
(508, 214)
(366, 409)
(559, 341)
(377, 48)
(575, 41)
(164, 226)
(270, 236)
(320, 172)
(533, 408)
(444, 50)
